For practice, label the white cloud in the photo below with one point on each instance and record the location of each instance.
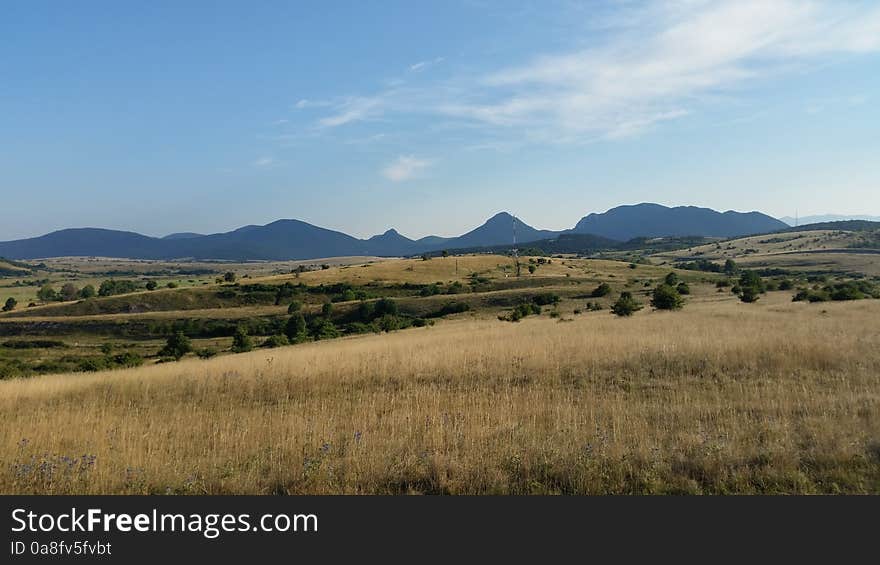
(404, 168)
(264, 162)
(422, 65)
(352, 110)
(657, 63)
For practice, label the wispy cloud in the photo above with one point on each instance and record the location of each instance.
(422, 65)
(264, 162)
(404, 168)
(659, 63)
(353, 110)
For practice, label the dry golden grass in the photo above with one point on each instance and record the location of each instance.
(460, 268)
(721, 397)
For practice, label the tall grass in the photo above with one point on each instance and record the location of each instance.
(719, 398)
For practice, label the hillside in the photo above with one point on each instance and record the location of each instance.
(719, 398)
(829, 251)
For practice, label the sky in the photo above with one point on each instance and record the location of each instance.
(429, 117)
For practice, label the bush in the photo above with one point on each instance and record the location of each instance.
(749, 294)
(665, 297)
(176, 346)
(785, 284)
(523, 310)
(294, 307)
(279, 340)
(385, 306)
(327, 309)
(429, 290)
(626, 305)
(241, 341)
(229, 277)
(47, 294)
(152, 285)
(295, 329)
(69, 292)
(683, 288)
(10, 305)
(603, 289)
(87, 292)
(546, 299)
(323, 328)
(206, 353)
(450, 308)
(751, 286)
(671, 279)
(112, 287)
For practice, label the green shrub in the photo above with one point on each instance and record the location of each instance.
(294, 307)
(603, 289)
(279, 340)
(241, 341)
(665, 297)
(626, 305)
(683, 288)
(206, 353)
(176, 346)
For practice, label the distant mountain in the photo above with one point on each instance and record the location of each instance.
(824, 218)
(280, 240)
(391, 243)
(295, 239)
(653, 220)
(183, 235)
(83, 242)
(498, 229)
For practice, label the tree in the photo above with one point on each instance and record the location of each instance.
(603, 289)
(730, 267)
(47, 294)
(327, 309)
(152, 285)
(445, 253)
(10, 305)
(626, 305)
(666, 298)
(295, 329)
(87, 291)
(751, 286)
(229, 277)
(532, 269)
(241, 341)
(294, 307)
(385, 306)
(671, 279)
(176, 346)
(683, 288)
(749, 294)
(69, 292)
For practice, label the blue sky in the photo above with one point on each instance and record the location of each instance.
(431, 116)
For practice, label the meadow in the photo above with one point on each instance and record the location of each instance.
(721, 397)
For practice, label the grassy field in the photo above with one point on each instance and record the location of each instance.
(723, 397)
(444, 395)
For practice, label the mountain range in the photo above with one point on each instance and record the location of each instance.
(295, 239)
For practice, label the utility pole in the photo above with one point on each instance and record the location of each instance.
(515, 250)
